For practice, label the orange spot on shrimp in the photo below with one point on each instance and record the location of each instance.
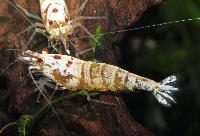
(60, 78)
(46, 10)
(55, 10)
(142, 79)
(39, 61)
(45, 49)
(57, 57)
(69, 63)
(50, 22)
(68, 77)
(66, 19)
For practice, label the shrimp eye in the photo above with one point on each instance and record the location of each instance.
(70, 23)
(39, 61)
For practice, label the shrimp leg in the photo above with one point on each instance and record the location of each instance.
(88, 32)
(89, 99)
(28, 13)
(87, 18)
(48, 101)
(81, 8)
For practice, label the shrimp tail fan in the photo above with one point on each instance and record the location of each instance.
(164, 93)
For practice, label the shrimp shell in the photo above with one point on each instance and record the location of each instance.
(73, 74)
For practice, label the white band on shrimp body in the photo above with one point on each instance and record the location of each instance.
(54, 16)
(45, 3)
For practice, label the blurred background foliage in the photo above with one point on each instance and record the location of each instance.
(158, 52)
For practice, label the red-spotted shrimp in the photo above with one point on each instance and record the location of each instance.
(73, 74)
(57, 22)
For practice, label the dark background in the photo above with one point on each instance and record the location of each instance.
(159, 52)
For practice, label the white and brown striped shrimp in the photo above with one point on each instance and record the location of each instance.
(57, 23)
(73, 74)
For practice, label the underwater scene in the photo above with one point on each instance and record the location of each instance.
(99, 68)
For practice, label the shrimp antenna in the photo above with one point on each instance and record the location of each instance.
(20, 51)
(30, 73)
(23, 12)
(59, 119)
(13, 5)
(15, 50)
(144, 27)
(11, 64)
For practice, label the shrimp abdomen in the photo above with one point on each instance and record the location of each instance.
(101, 76)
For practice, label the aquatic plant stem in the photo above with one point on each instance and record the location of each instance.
(7, 126)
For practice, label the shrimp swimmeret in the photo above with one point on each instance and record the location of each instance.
(73, 74)
(57, 23)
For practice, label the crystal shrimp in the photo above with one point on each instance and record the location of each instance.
(57, 23)
(73, 74)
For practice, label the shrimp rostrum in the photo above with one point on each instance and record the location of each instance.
(56, 22)
(73, 74)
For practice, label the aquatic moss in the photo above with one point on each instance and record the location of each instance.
(98, 36)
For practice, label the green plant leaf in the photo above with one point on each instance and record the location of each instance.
(98, 36)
